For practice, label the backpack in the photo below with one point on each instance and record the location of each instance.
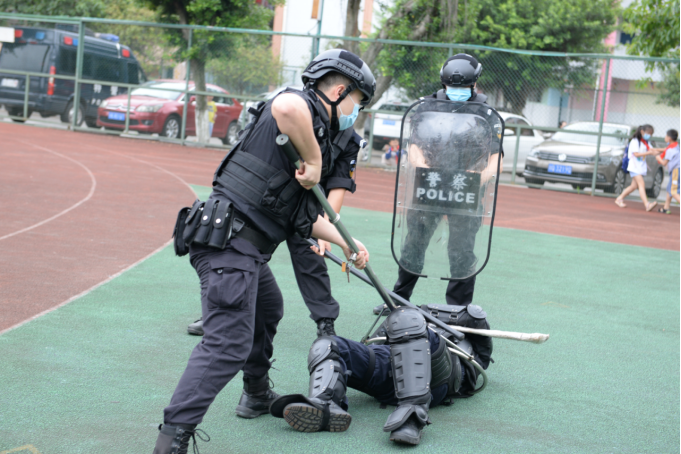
(625, 160)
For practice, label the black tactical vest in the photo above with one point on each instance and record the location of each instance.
(257, 171)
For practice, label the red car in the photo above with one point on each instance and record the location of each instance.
(159, 110)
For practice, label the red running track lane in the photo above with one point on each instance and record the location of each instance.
(106, 209)
(109, 202)
(558, 213)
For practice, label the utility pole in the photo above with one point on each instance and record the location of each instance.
(317, 13)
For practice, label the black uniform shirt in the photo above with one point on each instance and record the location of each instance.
(343, 173)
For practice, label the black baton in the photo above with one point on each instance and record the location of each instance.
(285, 143)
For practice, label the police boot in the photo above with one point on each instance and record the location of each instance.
(256, 398)
(174, 439)
(411, 366)
(325, 327)
(325, 407)
(196, 328)
(382, 308)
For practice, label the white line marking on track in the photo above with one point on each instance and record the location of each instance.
(93, 186)
(81, 294)
(112, 277)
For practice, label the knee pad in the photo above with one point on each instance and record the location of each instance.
(327, 378)
(405, 324)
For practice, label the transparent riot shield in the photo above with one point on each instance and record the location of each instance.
(446, 188)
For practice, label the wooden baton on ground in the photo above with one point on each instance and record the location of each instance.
(536, 338)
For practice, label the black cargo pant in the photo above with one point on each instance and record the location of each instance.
(313, 279)
(462, 231)
(242, 306)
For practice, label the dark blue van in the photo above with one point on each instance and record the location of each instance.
(54, 51)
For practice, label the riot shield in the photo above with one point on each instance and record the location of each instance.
(446, 188)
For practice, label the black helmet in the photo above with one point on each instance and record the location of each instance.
(347, 64)
(461, 70)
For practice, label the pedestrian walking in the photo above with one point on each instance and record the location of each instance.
(639, 148)
(670, 158)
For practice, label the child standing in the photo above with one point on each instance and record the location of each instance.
(212, 113)
(392, 150)
(670, 157)
(637, 168)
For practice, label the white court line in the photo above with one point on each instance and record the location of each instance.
(83, 293)
(93, 186)
(112, 277)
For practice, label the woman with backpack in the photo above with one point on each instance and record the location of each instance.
(637, 151)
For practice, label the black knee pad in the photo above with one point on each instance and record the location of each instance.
(405, 324)
(327, 380)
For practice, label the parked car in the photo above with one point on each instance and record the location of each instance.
(266, 97)
(529, 138)
(568, 157)
(53, 51)
(156, 107)
(386, 125)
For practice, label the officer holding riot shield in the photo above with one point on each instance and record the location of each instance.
(431, 149)
(309, 267)
(259, 199)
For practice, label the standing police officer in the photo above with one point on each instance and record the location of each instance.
(240, 299)
(310, 267)
(458, 76)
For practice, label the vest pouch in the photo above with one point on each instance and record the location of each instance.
(179, 245)
(272, 198)
(193, 221)
(222, 225)
(205, 224)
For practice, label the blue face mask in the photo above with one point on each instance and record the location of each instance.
(458, 93)
(345, 121)
(646, 137)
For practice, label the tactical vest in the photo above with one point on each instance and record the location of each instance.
(271, 190)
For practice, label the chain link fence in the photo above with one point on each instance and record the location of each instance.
(134, 78)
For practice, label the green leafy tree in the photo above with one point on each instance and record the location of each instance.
(85, 8)
(542, 25)
(655, 26)
(150, 44)
(250, 69)
(206, 44)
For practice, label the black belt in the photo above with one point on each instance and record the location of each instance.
(242, 230)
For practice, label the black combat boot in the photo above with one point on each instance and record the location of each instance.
(409, 433)
(382, 308)
(256, 398)
(325, 327)
(196, 328)
(174, 439)
(325, 406)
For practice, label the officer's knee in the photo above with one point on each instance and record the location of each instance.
(405, 324)
(323, 348)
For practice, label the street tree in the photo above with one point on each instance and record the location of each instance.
(655, 26)
(207, 44)
(537, 25)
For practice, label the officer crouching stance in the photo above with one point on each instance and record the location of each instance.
(414, 371)
(260, 199)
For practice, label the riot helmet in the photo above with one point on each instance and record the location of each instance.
(461, 70)
(347, 64)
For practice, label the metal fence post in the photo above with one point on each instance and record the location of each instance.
(79, 73)
(515, 156)
(127, 114)
(371, 135)
(186, 89)
(26, 90)
(600, 127)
